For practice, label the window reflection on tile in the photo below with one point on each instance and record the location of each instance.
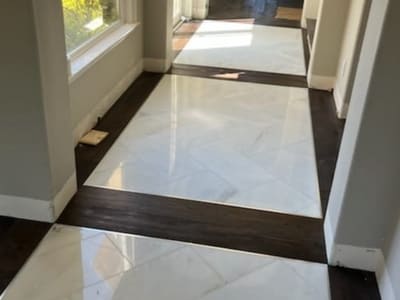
(109, 266)
(235, 143)
(245, 47)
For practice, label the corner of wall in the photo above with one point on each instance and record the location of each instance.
(38, 209)
(63, 197)
(325, 83)
(156, 65)
(360, 258)
(384, 281)
(341, 106)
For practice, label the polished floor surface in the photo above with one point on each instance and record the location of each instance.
(82, 264)
(245, 46)
(236, 143)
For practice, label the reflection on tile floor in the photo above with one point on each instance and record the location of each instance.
(246, 47)
(211, 140)
(80, 264)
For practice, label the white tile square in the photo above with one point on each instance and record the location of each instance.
(93, 269)
(245, 46)
(242, 144)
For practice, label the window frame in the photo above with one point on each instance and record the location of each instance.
(127, 15)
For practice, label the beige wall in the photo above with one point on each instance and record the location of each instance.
(348, 59)
(362, 221)
(327, 44)
(97, 89)
(37, 169)
(310, 11)
(158, 26)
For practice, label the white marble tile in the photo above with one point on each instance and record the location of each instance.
(245, 47)
(92, 269)
(61, 236)
(232, 265)
(281, 280)
(279, 197)
(141, 250)
(229, 142)
(52, 274)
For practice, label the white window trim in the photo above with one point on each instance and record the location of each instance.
(81, 58)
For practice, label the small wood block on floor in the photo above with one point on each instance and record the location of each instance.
(93, 137)
(289, 13)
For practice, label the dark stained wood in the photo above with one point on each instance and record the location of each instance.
(306, 49)
(327, 131)
(114, 121)
(238, 75)
(347, 284)
(197, 222)
(18, 240)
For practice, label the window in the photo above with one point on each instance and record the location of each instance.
(85, 21)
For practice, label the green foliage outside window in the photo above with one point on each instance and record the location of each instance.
(84, 19)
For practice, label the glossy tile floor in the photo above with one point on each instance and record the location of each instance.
(82, 264)
(245, 47)
(236, 143)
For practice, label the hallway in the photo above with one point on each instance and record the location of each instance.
(212, 184)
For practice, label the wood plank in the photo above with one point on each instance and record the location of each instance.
(198, 222)
(239, 75)
(18, 240)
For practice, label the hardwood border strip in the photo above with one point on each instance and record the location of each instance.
(18, 240)
(238, 75)
(198, 222)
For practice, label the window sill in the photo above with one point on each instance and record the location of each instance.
(78, 65)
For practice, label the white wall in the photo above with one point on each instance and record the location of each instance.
(348, 60)
(389, 275)
(158, 34)
(310, 11)
(332, 18)
(361, 225)
(200, 9)
(97, 89)
(37, 169)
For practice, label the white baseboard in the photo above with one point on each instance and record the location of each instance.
(36, 209)
(63, 197)
(156, 65)
(324, 83)
(384, 282)
(88, 122)
(360, 258)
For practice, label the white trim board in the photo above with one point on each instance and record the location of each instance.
(90, 120)
(341, 106)
(384, 282)
(36, 209)
(360, 258)
(325, 83)
(156, 65)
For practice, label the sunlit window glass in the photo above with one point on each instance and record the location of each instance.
(85, 19)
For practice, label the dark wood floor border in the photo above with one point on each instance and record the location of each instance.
(114, 121)
(327, 132)
(239, 75)
(306, 49)
(198, 222)
(18, 240)
(348, 284)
